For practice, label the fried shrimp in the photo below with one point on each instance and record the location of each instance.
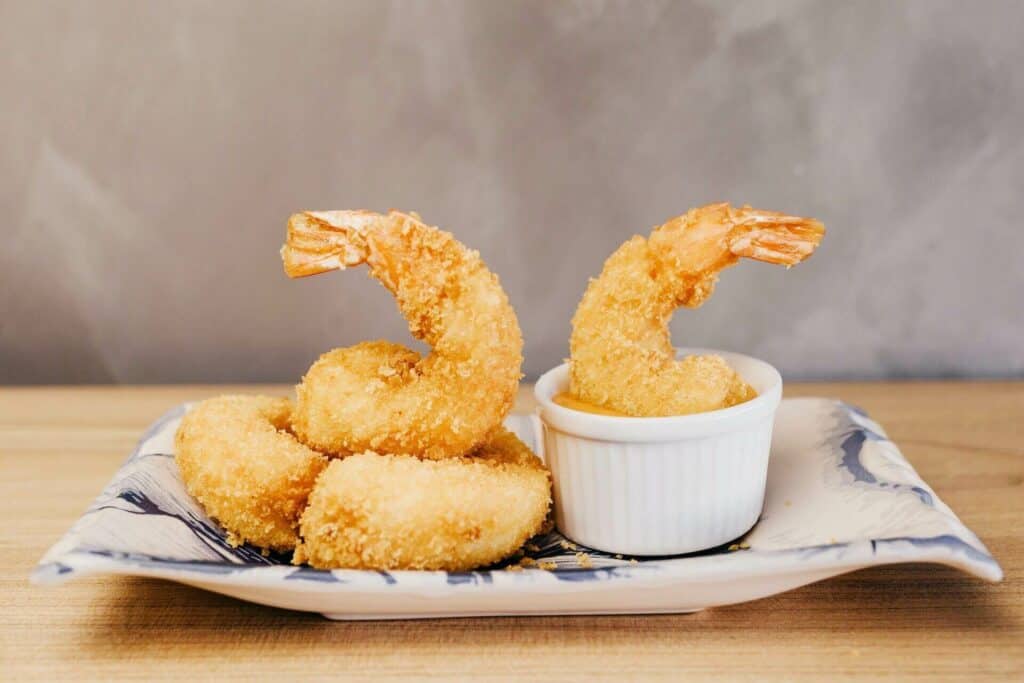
(384, 397)
(621, 357)
(237, 459)
(372, 511)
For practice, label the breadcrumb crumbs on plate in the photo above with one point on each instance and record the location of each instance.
(514, 568)
(632, 560)
(549, 566)
(532, 547)
(583, 560)
(568, 545)
(527, 562)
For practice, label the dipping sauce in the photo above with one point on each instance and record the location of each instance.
(567, 400)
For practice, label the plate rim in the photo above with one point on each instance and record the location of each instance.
(844, 557)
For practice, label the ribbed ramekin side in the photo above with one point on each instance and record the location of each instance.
(659, 498)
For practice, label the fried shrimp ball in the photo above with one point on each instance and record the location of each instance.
(247, 471)
(372, 511)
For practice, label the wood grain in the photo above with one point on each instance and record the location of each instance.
(59, 446)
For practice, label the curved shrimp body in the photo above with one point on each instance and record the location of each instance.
(385, 397)
(621, 356)
(372, 511)
(237, 459)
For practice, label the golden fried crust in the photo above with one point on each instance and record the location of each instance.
(372, 511)
(237, 459)
(384, 397)
(621, 356)
(374, 396)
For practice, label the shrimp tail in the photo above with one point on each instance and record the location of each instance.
(773, 237)
(322, 241)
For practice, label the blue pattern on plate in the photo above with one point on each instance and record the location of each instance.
(853, 445)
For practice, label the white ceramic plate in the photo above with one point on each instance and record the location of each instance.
(840, 497)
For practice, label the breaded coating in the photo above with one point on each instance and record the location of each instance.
(621, 356)
(386, 398)
(247, 471)
(372, 511)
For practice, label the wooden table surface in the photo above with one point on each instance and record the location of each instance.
(59, 446)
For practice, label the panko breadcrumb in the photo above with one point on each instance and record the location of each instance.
(247, 472)
(583, 560)
(383, 397)
(621, 355)
(372, 511)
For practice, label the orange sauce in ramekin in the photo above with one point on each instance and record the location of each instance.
(567, 400)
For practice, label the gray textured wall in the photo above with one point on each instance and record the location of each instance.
(151, 152)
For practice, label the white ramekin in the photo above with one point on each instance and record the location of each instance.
(660, 485)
